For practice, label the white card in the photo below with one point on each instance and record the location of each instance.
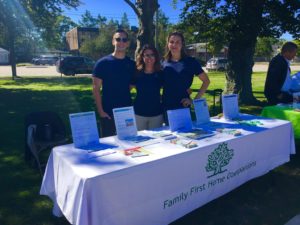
(230, 106)
(201, 111)
(125, 122)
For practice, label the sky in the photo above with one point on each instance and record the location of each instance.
(114, 9)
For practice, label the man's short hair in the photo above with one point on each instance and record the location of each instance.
(288, 47)
(121, 31)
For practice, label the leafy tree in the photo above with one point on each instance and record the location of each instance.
(239, 23)
(163, 29)
(16, 16)
(264, 47)
(125, 22)
(87, 20)
(219, 158)
(144, 9)
(298, 43)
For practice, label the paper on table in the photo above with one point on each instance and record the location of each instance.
(201, 111)
(230, 106)
(85, 132)
(84, 128)
(296, 100)
(125, 122)
(180, 119)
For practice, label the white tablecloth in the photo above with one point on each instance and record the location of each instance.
(172, 181)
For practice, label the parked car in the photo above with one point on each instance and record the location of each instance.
(45, 60)
(71, 65)
(217, 64)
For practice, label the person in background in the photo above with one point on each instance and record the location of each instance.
(277, 86)
(148, 82)
(178, 73)
(113, 74)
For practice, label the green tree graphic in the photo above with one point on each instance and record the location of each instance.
(219, 158)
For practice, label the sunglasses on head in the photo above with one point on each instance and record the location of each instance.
(121, 39)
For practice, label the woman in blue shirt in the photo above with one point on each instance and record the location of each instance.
(179, 71)
(148, 81)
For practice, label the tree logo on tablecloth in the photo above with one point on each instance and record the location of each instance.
(219, 158)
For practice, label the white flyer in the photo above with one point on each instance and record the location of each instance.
(125, 122)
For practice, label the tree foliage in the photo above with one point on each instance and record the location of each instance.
(237, 24)
(88, 20)
(17, 16)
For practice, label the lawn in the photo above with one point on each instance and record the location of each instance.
(271, 199)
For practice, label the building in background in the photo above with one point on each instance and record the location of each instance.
(78, 35)
(4, 56)
(200, 50)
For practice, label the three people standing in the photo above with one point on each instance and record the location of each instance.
(114, 74)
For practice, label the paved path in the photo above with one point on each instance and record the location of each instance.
(51, 70)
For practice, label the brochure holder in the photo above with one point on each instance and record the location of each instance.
(85, 132)
(180, 119)
(201, 111)
(230, 106)
(125, 122)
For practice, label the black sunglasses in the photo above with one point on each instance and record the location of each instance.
(121, 39)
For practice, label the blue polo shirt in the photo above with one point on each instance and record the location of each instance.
(148, 100)
(116, 75)
(177, 79)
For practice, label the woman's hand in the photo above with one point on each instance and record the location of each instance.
(186, 102)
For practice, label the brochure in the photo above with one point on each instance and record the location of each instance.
(180, 119)
(296, 100)
(85, 132)
(196, 134)
(184, 143)
(125, 122)
(230, 106)
(201, 111)
(135, 152)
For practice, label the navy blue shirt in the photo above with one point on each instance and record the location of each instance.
(177, 79)
(116, 75)
(148, 99)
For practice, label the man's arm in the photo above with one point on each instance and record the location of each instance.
(97, 84)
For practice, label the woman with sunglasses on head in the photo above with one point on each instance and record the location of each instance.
(148, 81)
(179, 71)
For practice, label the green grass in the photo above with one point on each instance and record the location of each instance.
(270, 199)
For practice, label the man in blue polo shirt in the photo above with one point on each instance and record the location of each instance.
(113, 74)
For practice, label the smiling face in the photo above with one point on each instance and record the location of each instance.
(120, 41)
(175, 44)
(149, 58)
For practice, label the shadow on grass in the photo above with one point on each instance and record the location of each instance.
(271, 199)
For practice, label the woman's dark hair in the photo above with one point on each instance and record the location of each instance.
(140, 65)
(168, 54)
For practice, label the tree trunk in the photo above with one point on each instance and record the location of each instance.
(144, 10)
(12, 55)
(241, 50)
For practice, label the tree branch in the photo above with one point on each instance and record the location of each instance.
(132, 5)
